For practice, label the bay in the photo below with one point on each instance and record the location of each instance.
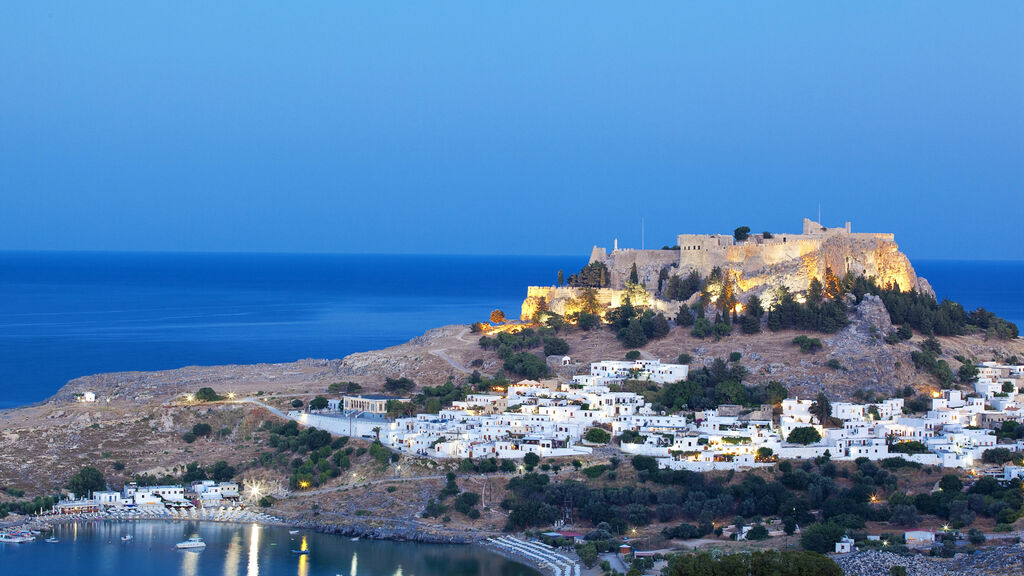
(96, 548)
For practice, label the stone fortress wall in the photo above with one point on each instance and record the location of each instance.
(759, 263)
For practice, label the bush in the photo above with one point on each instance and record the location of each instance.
(188, 437)
(597, 436)
(594, 472)
(806, 344)
(758, 532)
(202, 429)
(531, 459)
(318, 403)
(207, 394)
(296, 403)
(633, 355)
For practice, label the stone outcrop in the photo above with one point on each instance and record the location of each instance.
(565, 300)
(760, 264)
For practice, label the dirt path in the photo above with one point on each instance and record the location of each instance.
(441, 353)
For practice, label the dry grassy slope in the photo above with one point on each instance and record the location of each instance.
(138, 419)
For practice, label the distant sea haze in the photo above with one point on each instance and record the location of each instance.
(64, 315)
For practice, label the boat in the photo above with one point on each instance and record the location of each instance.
(51, 540)
(192, 543)
(300, 552)
(354, 539)
(16, 537)
(126, 538)
(293, 531)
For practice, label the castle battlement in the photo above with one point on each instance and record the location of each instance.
(796, 258)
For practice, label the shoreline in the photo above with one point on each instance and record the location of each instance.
(44, 523)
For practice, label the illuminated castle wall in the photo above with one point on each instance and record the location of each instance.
(760, 263)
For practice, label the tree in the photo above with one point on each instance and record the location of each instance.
(816, 292)
(296, 403)
(555, 346)
(804, 435)
(657, 327)
(634, 278)
(597, 436)
(821, 537)
(531, 459)
(741, 233)
(318, 403)
(202, 429)
(561, 278)
(497, 317)
(86, 481)
(951, 483)
(821, 408)
(633, 355)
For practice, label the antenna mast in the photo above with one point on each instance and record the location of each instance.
(641, 232)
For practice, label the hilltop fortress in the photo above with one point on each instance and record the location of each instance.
(757, 264)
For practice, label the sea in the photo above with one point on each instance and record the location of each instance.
(96, 549)
(69, 314)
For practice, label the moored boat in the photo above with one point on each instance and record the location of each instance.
(192, 543)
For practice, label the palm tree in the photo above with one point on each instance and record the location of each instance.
(376, 431)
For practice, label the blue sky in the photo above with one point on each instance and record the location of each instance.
(533, 128)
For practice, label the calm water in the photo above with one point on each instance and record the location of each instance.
(64, 315)
(96, 549)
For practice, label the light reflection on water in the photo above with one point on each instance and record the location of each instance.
(96, 549)
(253, 568)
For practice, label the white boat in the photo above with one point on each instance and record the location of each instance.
(192, 543)
(293, 531)
(52, 540)
(16, 538)
(126, 538)
(356, 539)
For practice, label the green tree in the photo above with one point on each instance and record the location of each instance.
(86, 481)
(821, 537)
(497, 317)
(561, 279)
(318, 403)
(951, 483)
(816, 292)
(821, 409)
(531, 459)
(202, 429)
(634, 278)
(555, 346)
(804, 435)
(741, 233)
(597, 436)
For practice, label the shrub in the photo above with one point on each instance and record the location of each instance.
(296, 403)
(202, 429)
(633, 355)
(593, 472)
(207, 394)
(188, 437)
(806, 344)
